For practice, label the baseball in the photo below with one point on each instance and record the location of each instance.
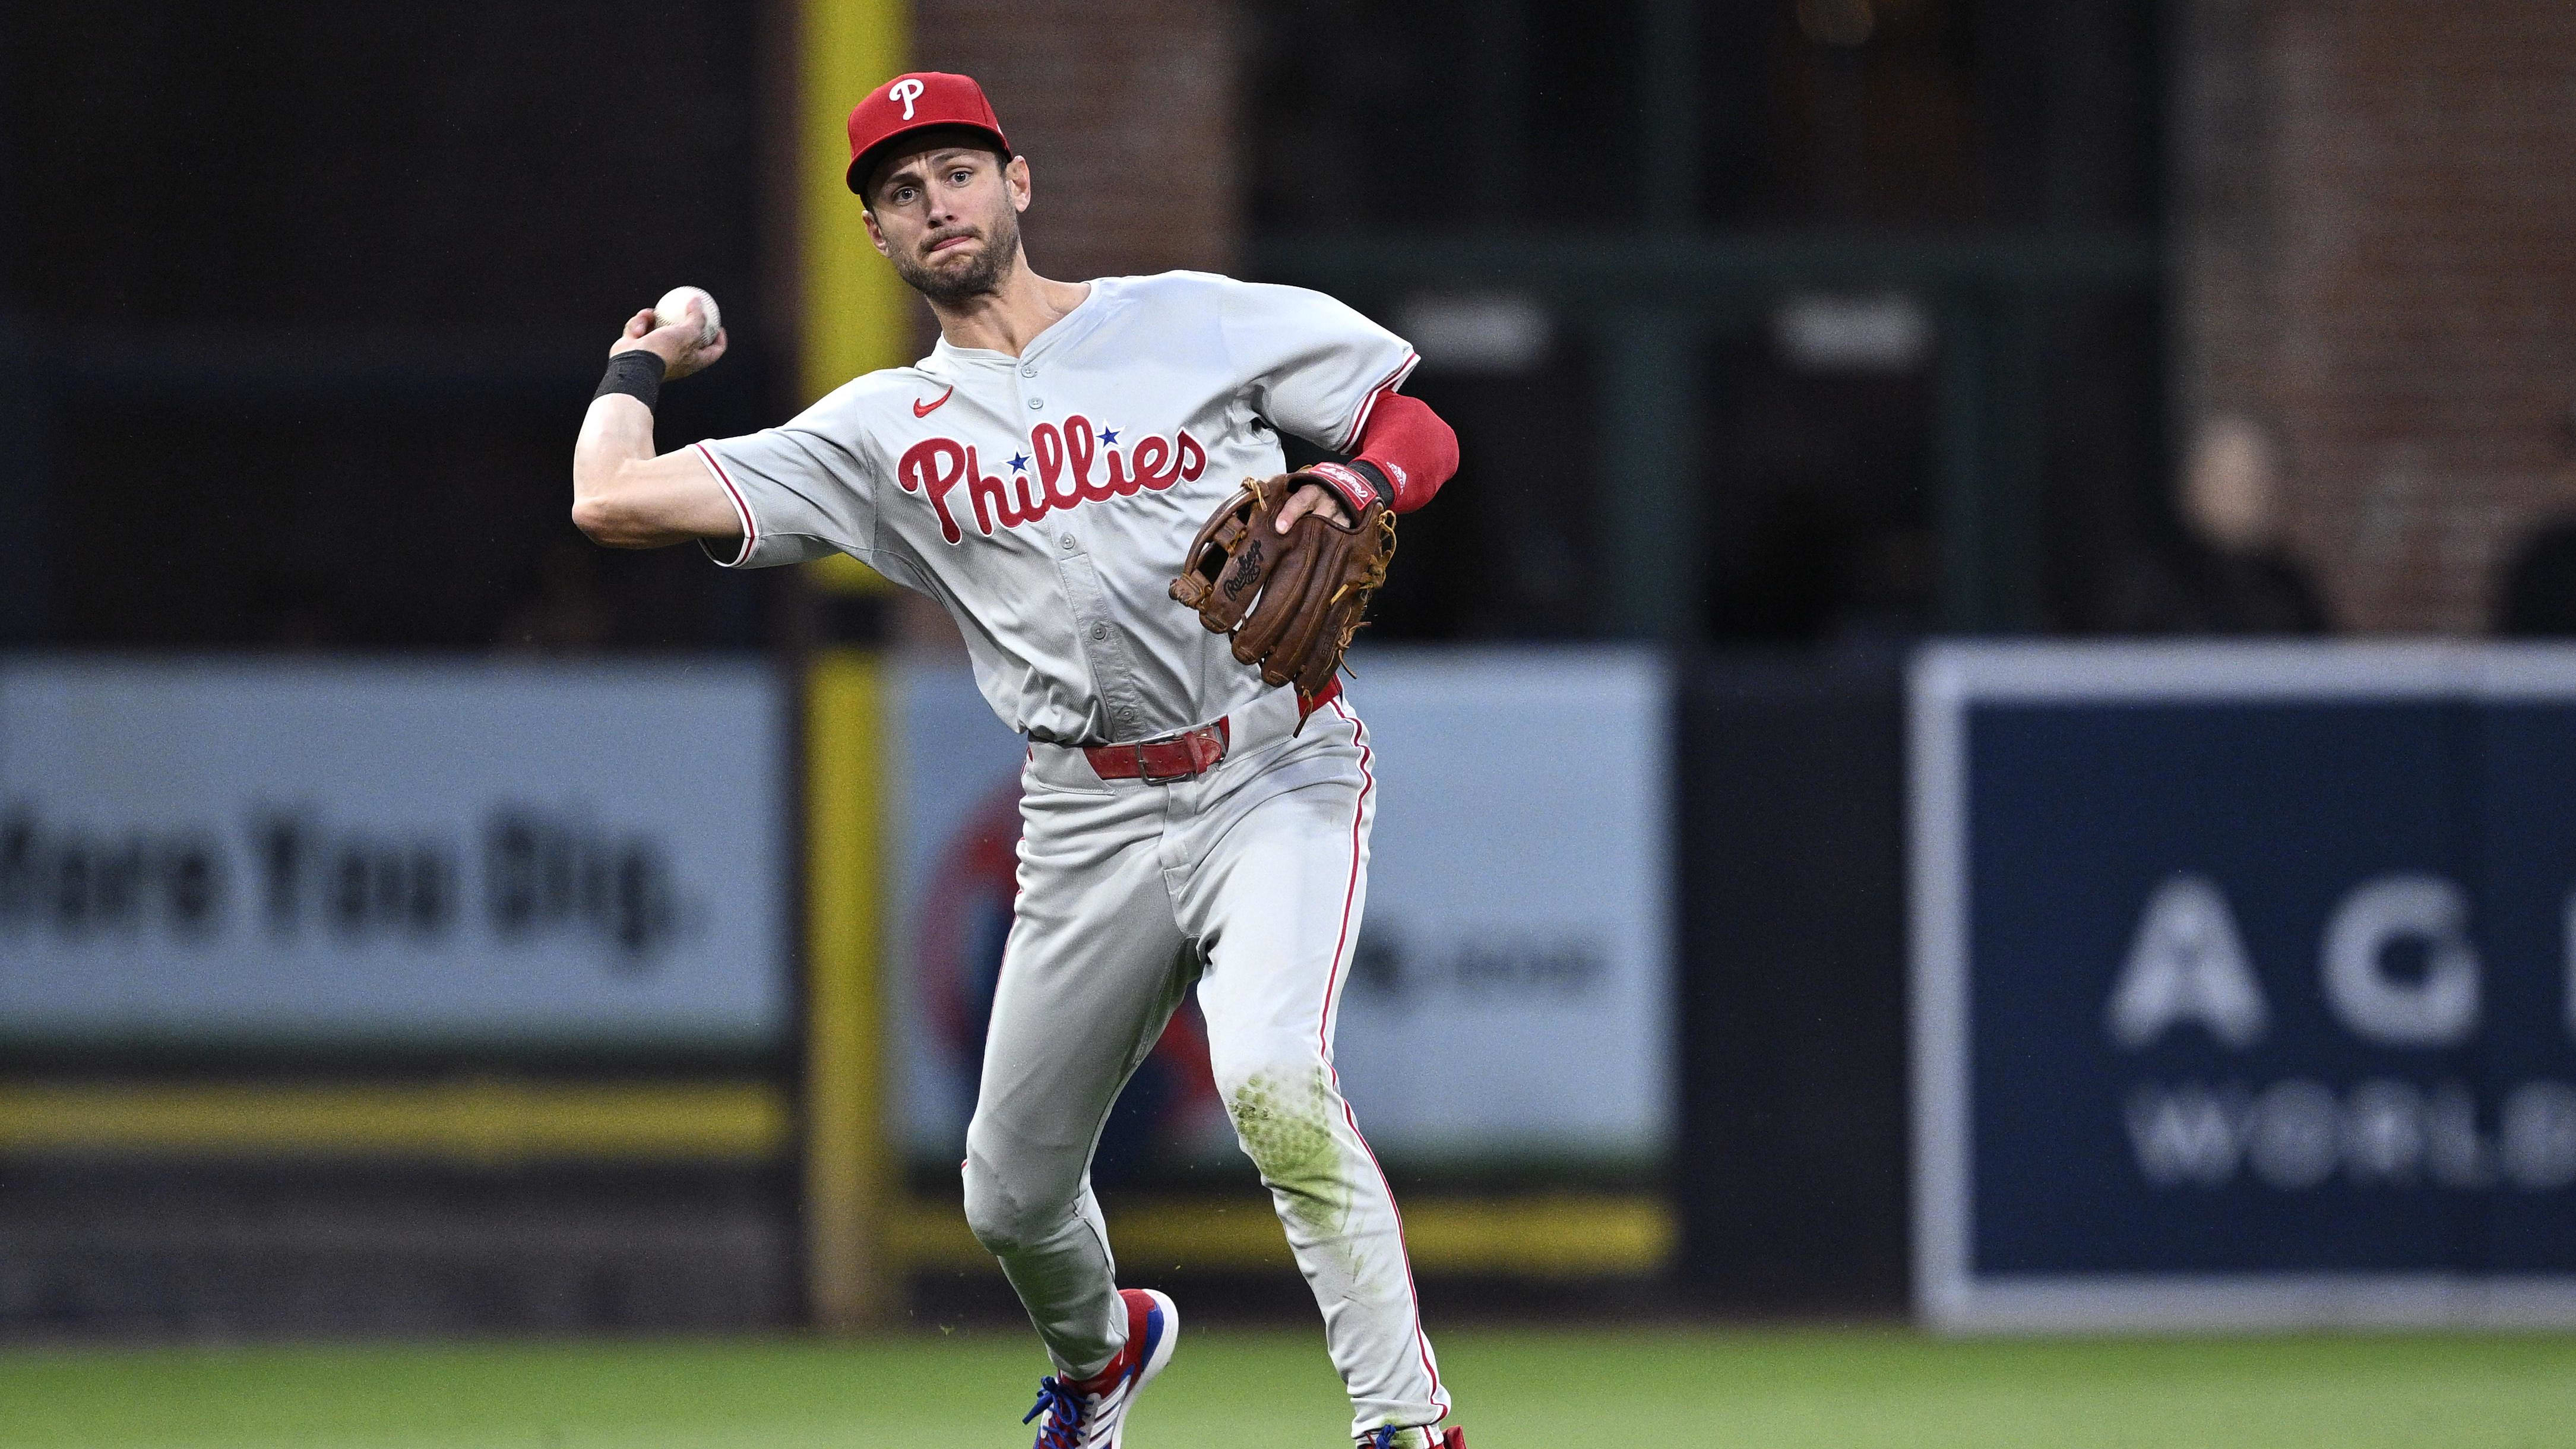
(674, 307)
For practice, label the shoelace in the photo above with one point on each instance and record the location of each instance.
(1064, 1410)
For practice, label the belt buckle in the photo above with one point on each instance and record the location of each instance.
(1182, 738)
(1146, 773)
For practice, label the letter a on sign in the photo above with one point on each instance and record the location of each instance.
(2187, 963)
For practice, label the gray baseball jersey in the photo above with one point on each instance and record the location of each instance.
(1047, 499)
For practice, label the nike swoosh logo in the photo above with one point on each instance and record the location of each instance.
(922, 409)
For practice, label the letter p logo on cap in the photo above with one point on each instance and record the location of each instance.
(913, 102)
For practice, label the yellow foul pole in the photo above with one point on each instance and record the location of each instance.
(856, 320)
(858, 316)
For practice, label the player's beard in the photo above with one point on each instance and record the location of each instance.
(980, 277)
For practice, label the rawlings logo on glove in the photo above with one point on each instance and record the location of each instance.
(1293, 601)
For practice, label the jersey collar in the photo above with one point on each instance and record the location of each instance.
(1071, 324)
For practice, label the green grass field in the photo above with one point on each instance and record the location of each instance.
(1255, 1390)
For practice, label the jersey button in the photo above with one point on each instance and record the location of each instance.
(1066, 540)
(1028, 372)
(1036, 403)
(1099, 632)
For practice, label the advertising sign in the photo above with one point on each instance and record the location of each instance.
(1508, 1001)
(2245, 984)
(339, 854)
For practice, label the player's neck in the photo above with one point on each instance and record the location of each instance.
(1008, 318)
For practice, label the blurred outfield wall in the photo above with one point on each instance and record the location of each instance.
(367, 940)
(274, 858)
(2241, 986)
(2244, 985)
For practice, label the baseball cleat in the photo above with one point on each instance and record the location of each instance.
(1090, 1413)
(1428, 1436)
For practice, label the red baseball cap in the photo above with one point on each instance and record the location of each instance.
(916, 101)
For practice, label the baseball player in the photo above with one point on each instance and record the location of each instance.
(1059, 470)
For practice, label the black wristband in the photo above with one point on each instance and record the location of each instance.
(1356, 483)
(636, 372)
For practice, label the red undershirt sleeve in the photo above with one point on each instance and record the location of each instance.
(1405, 440)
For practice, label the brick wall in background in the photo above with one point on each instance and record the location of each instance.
(1126, 111)
(2376, 218)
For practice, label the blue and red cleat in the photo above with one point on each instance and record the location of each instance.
(1426, 1437)
(1090, 1413)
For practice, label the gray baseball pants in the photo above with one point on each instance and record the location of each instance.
(1249, 882)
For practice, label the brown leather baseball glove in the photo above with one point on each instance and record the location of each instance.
(1292, 601)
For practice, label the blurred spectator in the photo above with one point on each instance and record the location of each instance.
(2231, 574)
(2538, 600)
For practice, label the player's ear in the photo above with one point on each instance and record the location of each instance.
(876, 233)
(1015, 175)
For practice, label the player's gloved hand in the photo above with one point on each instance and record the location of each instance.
(1292, 601)
(677, 344)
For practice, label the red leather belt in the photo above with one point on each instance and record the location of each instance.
(1184, 756)
(1187, 755)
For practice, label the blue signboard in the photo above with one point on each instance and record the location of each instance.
(2245, 984)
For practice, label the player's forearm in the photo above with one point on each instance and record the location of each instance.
(623, 496)
(1411, 446)
(1403, 454)
(616, 435)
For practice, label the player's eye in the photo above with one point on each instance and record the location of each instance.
(903, 195)
(960, 176)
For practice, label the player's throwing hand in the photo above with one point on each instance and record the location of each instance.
(676, 344)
